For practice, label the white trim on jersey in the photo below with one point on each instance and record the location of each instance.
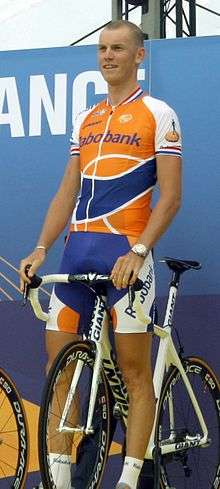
(118, 175)
(109, 226)
(121, 207)
(112, 155)
(94, 171)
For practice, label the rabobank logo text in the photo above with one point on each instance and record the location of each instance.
(110, 137)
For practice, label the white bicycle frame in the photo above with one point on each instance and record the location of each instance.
(104, 358)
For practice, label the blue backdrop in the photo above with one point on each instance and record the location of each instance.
(40, 91)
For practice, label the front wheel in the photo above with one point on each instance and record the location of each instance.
(191, 467)
(55, 428)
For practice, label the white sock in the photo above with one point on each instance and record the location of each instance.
(60, 468)
(131, 470)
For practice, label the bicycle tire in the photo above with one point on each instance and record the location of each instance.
(14, 436)
(87, 475)
(192, 467)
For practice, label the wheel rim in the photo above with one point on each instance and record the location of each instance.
(13, 436)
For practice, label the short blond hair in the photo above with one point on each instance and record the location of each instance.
(136, 32)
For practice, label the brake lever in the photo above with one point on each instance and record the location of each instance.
(26, 287)
(35, 283)
(131, 296)
(131, 291)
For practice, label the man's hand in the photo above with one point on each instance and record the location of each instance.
(126, 269)
(35, 259)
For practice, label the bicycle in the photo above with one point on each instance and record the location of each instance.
(184, 447)
(14, 437)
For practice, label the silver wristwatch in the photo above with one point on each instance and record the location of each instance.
(140, 250)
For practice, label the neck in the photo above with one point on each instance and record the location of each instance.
(118, 93)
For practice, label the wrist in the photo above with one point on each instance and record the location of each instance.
(41, 247)
(141, 250)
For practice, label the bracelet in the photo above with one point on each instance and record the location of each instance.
(41, 247)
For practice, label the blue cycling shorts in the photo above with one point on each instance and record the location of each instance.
(71, 305)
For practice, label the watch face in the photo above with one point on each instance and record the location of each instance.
(140, 249)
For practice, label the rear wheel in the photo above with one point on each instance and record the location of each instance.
(194, 467)
(14, 440)
(87, 472)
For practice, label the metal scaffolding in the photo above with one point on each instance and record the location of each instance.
(156, 14)
(182, 14)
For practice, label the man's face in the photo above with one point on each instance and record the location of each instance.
(119, 55)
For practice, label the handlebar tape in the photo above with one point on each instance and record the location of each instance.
(35, 280)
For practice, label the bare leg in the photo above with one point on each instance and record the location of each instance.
(134, 358)
(60, 447)
(55, 341)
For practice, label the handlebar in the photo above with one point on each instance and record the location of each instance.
(89, 279)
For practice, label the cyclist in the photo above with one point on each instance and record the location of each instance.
(119, 149)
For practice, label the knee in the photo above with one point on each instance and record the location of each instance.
(138, 381)
(55, 342)
(52, 354)
(133, 377)
(51, 357)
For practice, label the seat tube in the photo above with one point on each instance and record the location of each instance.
(97, 321)
(174, 284)
(96, 335)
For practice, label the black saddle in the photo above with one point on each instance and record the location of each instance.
(181, 266)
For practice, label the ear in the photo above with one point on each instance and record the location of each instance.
(140, 55)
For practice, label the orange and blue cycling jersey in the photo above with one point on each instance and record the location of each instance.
(118, 147)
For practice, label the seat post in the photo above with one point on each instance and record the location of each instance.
(175, 279)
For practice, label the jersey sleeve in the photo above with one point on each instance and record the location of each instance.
(168, 140)
(74, 140)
